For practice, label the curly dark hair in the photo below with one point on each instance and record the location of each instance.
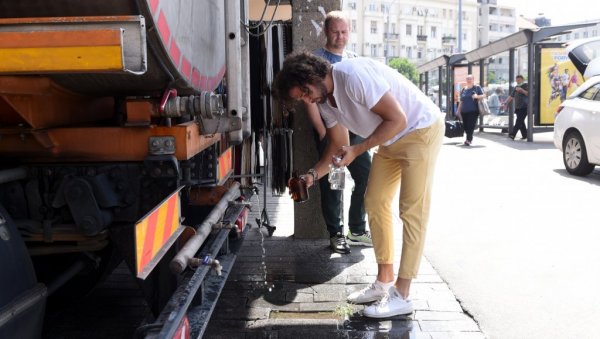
(299, 69)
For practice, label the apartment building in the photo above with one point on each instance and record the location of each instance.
(496, 22)
(581, 33)
(416, 30)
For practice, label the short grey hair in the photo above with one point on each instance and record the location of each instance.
(335, 15)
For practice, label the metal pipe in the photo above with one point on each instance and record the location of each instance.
(180, 262)
(31, 298)
(253, 175)
(13, 174)
(62, 279)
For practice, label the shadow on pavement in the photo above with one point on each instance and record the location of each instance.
(593, 178)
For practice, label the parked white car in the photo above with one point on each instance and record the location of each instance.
(577, 123)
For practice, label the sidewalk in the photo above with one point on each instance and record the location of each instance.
(281, 287)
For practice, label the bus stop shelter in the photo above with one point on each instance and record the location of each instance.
(528, 38)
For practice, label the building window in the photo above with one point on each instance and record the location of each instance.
(393, 27)
(433, 31)
(419, 55)
(408, 29)
(373, 50)
(594, 33)
(372, 7)
(585, 34)
(409, 52)
(420, 30)
(353, 26)
(394, 51)
(353, 47)
(374, 27)
(576, 35)
(464, 36)
(352, 5)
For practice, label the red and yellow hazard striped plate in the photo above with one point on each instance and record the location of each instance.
(156, 232)
(225, 163)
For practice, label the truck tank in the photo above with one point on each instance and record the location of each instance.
(185, 48)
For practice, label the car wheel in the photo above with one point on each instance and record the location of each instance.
(575, 155)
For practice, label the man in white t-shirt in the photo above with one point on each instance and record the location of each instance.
(377, 103)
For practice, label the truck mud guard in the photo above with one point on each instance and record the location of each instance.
(195, 299)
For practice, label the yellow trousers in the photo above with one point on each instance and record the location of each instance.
(407, 164)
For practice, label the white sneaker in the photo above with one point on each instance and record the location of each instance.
(392, 304)
(373, 292)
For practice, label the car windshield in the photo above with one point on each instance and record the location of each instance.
(591, 92)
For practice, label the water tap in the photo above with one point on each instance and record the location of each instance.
(207, 261)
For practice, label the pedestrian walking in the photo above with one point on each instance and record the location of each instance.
(520, 94)
(467, 110)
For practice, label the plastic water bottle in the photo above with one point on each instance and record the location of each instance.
(337, 176)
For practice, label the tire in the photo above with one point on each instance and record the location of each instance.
(575, 155)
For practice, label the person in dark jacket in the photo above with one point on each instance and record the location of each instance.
(467, 110)
(520, 95)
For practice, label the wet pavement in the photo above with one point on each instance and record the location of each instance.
(282, 287)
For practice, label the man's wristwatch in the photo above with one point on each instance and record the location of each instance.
(314, 174)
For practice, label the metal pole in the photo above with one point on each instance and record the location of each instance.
(459, 26)
(511, 79)
(531, 92)
(450, 91)
(482, 85)
(440, 89)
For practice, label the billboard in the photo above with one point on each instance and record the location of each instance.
(558, 79)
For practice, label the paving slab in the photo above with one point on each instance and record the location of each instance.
(283, 287)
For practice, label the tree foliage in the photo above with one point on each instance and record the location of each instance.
(406, 68)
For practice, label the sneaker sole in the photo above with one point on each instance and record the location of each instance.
(340, 251)
(389, 314)
(358, 243)
(363, 301)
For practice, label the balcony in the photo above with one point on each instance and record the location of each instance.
(421, 38)
(447, 40)
(391, 36)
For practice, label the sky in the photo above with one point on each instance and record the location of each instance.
(561, 12)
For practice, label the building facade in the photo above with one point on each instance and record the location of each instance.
(416, 30)
(496, 22)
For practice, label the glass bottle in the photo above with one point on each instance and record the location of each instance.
(297, 187)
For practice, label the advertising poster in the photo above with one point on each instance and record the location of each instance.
(558, 79)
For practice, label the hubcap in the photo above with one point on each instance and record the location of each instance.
(573, 153)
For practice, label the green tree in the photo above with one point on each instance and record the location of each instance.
(406, 68)
(491, 77)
